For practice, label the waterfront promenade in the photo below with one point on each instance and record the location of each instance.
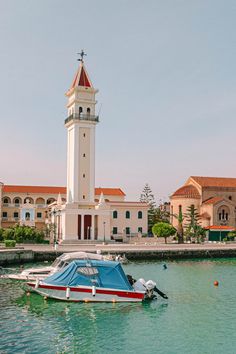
(136, 251)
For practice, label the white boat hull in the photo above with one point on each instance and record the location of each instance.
(87, 294)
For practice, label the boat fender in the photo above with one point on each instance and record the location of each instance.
(67, 293)
(93, 290)
(37, 283)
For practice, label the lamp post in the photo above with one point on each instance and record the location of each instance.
(104, 229)
(54, 226)
(59, 225)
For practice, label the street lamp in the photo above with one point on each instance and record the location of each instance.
(104, 226)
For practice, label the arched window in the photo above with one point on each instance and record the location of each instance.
(127, 214)
(50, 200)
(28, 200)
(140, 215)
(115, 214)
(6, 201)
(88, 111)
(80, 110)
(17, 201)
(27, 216)
(223, 214)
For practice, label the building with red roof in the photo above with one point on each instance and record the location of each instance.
(213, 197)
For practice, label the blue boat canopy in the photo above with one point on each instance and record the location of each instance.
(104, 274)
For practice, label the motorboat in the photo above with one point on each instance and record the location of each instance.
(95, 280)
(42, 272)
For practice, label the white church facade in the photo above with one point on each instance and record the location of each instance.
(80, 211)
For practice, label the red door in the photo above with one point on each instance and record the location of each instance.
(87, 227)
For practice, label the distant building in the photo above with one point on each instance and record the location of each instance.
(213, 197)
(32, 206)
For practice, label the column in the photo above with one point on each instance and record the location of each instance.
(92, 228)
(82, 226)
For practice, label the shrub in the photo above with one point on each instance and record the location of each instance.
(23, 234)
(10, 243)
(8, 234)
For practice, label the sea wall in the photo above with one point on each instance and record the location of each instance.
(23, 256)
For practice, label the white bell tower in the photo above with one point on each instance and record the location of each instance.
(80, 124)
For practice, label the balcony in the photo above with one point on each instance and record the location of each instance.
(82, 117)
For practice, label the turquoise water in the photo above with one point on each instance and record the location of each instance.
(197, 318)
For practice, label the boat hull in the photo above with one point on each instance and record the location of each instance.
(86, 294)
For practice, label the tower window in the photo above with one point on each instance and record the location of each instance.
(83, 155)
(230, 197)
(84, 175)
(83, 196)
(84, 135)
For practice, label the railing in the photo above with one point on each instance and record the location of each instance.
(80, 116)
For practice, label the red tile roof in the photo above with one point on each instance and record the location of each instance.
(213, 200)
(56, 190)
(220, 227)
(188, 191)
(109, 191)
(34, 189)
(215, 181)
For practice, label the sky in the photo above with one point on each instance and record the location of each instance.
(166, 76)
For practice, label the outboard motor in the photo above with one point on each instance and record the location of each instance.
(149, 287)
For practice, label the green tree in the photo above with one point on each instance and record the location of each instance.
(192, 218)
(148, 197)
(1, 234)
(163, 229)
(193, 227)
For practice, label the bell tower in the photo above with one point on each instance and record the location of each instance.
(80, 124)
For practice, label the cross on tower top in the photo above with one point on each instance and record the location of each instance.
(82, 54)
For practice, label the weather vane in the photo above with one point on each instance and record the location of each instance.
(82, 54)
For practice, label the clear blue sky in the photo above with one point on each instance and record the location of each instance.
(166, 76)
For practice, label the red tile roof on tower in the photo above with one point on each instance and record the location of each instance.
(215, 181)
(81, 78)
(56, 190)
(188, 191)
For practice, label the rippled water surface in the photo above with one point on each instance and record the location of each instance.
(197, 318)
